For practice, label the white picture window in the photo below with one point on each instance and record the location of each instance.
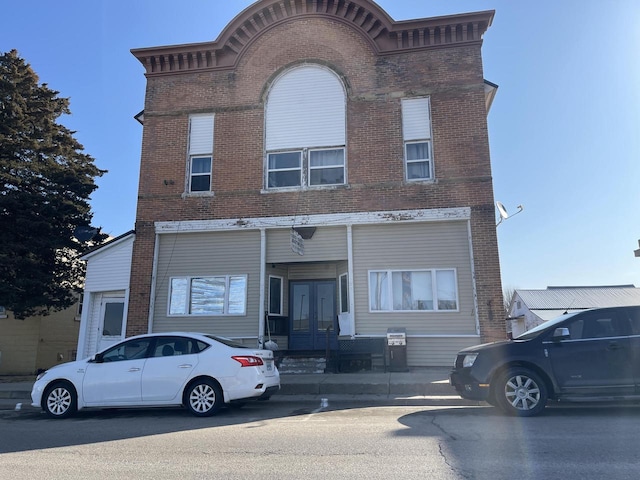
(200, 153)
(416, 132)
(413, 290)
(219, 295)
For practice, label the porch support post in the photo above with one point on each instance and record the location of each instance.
(473, 277)
(263, 273)
(352, 301)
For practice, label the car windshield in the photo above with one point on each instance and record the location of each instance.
(227, 342)
(543, 327)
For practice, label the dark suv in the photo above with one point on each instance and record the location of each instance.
(587, 355)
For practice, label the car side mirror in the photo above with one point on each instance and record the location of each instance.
(97, 358)
(561, 333)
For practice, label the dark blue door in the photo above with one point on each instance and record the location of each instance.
(312, 310)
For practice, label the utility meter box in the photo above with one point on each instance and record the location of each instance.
(397, 346)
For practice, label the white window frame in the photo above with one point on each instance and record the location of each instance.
(306, 168)
(310, 168)
(201, 132)
(290, 169)
(281, 306)
(434, 290)
(418, 160)
(186, 311)
(416, 129)
(192, 175)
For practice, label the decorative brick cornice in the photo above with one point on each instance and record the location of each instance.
(385, 35)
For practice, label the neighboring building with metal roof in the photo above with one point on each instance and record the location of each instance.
(529, 308)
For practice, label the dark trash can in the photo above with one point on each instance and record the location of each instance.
(397, 347)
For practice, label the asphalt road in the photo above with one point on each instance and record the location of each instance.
(300, 440)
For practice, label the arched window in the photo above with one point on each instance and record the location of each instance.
(305, 125)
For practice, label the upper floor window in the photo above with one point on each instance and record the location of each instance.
(416, 132)
(200, 153)
(305, 167)
(305, 125)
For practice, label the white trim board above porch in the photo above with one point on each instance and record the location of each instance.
(359, 218)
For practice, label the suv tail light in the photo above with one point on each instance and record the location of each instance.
(248, 361)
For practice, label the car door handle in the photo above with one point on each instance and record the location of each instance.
(185, 365)
(134, 369)
(614, 346)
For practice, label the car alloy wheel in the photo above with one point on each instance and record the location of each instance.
(60, 400)
(204, 398)
(521, 392)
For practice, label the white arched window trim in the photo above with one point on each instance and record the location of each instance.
(305, 129)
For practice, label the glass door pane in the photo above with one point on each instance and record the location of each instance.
(300, 305)
(325, 305)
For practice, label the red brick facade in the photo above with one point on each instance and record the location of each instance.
(380, 62)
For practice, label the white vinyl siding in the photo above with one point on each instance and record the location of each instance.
(436, 351)
(327, 244)
(416, 132)
(306, 108)
(416, 122)
(200, 152)
(110, 268)
(201, 134)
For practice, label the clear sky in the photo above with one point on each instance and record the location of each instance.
(564, 128)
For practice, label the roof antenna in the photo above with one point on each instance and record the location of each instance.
(503, 212)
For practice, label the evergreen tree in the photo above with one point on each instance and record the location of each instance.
(45, 184)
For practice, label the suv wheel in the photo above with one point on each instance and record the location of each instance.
(521, 392)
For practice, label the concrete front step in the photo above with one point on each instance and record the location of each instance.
(302, 365)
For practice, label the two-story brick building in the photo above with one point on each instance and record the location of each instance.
(319, 160)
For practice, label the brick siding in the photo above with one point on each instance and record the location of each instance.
(452, 76)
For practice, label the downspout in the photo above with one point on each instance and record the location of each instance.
(473, 278)
(154, 274)
(263, 273)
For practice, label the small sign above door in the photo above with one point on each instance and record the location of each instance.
(297, 243)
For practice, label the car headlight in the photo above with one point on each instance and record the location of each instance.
(40, 375)
(469, 359)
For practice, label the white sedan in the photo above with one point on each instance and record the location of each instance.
(201, 372)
